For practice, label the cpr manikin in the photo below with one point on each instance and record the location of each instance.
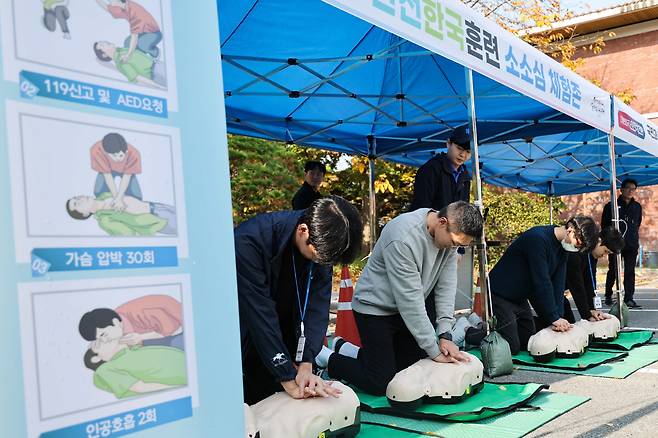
(432, 382)
(280, 415)
(604, 330)
(547, 344)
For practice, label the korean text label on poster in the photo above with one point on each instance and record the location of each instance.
(127, 422)
(35, 84)
(46, 260)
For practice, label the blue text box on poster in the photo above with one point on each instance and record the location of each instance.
(36, 84)
(128, 422)
(46, 260)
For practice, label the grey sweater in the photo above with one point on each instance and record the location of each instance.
(404, 268)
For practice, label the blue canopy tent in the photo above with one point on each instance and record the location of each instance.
(305, 72)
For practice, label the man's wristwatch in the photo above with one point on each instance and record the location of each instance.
(446, 335)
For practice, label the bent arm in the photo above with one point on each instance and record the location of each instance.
(109, 181)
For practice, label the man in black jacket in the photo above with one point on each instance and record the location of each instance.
(581, 275)
(314, 172)
(630, 215)
(284, 270)
(533, 269)
(444, 179)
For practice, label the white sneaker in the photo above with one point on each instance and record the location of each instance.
(474, 319)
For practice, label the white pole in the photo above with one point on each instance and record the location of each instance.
(482, 245)
(372, 200)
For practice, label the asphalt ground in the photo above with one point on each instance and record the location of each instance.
(618, 407)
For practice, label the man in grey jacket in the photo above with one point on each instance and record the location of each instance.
(406, 290)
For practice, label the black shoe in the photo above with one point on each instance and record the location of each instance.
(608, 301)
(631, 304)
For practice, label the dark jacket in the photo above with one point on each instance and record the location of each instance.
(435, 186)
(581, 271)
(533, 268)
(259, 244)
(632, 214)
(304, 197)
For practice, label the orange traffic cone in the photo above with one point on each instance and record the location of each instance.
(345, 324)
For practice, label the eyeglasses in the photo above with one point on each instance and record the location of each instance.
(630, 189)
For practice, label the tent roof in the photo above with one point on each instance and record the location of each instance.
(307, 73)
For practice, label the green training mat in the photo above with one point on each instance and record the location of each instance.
(547, 406)
(626, 340)
(493, 399)
(637, 358)
(590, 359)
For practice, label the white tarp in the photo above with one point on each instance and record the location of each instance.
(463, 35)
(634, 128)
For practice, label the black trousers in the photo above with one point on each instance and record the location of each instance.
(629, 258)
(257, 381)
(568, 313)
(388, 347)
(514, 322)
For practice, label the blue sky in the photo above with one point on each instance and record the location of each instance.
(582, 5)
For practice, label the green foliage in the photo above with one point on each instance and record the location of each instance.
(264, 176)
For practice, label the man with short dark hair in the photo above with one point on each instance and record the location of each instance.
(407, 289)
(581, 275)
(630, 216)
(444, 178)
(533, 271)
(314, 172)
(284, 268)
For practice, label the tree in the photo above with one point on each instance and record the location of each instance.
(264, 176)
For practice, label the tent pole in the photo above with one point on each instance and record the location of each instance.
(550, 200)
(475, 160)
(615, 219)
(372, 200)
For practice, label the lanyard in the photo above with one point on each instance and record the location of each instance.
(302, 313)
(591, 273)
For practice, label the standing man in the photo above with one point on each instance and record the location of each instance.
(406, 290)
(534, 269)
(581, 275)
(314, 172)
(444, 178)
(284, 268)
(630, 216)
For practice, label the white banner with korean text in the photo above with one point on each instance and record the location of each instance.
(456, 32)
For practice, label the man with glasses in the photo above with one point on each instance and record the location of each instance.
(444, 178)
(630, 217)
(533, 271)
(581, 275)
(314, 172)
(406, 289)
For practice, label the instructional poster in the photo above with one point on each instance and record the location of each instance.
(98, 181)
(96, 349)
(117, 273)
(104, 45)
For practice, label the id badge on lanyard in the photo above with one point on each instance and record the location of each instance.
(301, 343)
